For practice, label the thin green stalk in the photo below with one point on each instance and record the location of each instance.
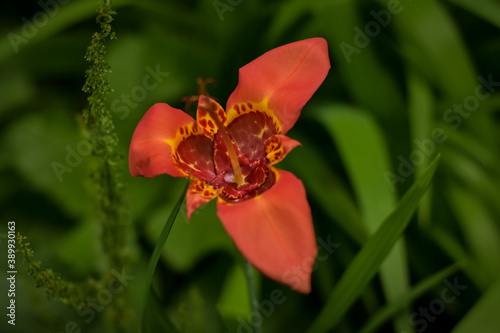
(252, 291)
(159, 247)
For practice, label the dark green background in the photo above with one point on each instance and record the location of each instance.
(400, 70)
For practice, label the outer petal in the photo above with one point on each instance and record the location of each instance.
(286, 77)
(150, 154)
(274, 231)
(278, 146)
(198, 194)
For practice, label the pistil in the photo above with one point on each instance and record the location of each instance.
(233, 157)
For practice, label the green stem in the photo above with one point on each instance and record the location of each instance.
(159, 247)
(254, 302)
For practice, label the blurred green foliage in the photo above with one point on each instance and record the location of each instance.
(409, 80)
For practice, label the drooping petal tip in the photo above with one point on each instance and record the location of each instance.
(274, 231)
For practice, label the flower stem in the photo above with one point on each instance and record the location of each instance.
(153, 261)
(254, 302)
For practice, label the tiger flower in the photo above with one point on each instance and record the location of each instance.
(230, 155)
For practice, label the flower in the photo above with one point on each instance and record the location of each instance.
(230, 156)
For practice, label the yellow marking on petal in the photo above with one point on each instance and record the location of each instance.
(207, 120)
(274, 149)
(262, 131)
(204, 189)
(183, 132)
(248, 107)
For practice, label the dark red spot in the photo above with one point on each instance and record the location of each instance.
(206, 193)
(246, 131)
(237, 108)
(250, 106)
(211, 124)
(182, 130)
(203, 122)
(196, 150)
(221, 114)
(243, 107)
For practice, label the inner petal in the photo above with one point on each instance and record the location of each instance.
(250, 130)
(195, 154)
(221, 156)
(210, 116)
(261, 179)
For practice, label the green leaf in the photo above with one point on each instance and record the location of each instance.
(366, 263)
(453, 248)
(52, 164)
(483, 317)
(155, 319)
(204, 231)
(252, 292)
(364, 153)
(157, 252)
(488, 10)
(421, 119)
(70, 14)
(356, 63)
(234, 300)
(384, 314)
(287, 15)
(479, 228)
(436, 46)
(195, 312)
(325, 187)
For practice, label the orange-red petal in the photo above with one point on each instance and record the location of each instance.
(198, 194)
(209, 115)
(286, 77)
(278, 146)
(274, 231)
(150, 152)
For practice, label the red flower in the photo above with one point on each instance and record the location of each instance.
(230, 155)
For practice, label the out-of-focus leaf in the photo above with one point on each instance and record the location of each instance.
(421, 119)
(326, 188)
(364, 153)
(192, 239)
(196, 314)
(157, 253)
(438, 44)
(69, 14)
(55, 164)
(372, 254)
(489, 10)
(479, 228)
(470, 145)
(16, 89)
(452, 247)
(234, 300)
(355, 59)
(155, 319)
(70, 248)
(288, 13)
(384, 314)
(483, 181)
(483, 317)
